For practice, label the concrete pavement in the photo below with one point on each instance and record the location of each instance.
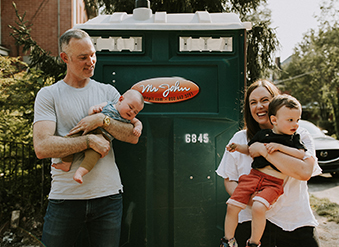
(325, 186)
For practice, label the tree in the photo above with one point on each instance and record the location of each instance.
(19, 85)
(262, 42)
(50, 66)
(261, 39)
(170, 6)
(313, 73)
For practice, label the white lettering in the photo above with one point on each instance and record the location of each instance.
(174, 88)
(149, 88)
(194, 138)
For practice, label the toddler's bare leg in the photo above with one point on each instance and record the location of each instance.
(66, 163)
(79, 173)
(231, 220)
(91, 158)
(258, 221)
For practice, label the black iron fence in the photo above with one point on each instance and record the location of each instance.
(24, 179)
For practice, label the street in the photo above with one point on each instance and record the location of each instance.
(325, 186)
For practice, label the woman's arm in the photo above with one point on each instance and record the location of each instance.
(288, 165)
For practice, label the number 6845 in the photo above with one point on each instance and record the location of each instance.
(194, 138)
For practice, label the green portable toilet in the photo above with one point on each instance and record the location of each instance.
(190, 69)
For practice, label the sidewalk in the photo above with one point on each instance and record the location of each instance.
(332, 194)
(324, 186)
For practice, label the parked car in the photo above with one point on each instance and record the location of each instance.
(327, 148)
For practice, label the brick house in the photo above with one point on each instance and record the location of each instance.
(50, 18)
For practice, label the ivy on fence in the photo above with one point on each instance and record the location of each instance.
(24, 179)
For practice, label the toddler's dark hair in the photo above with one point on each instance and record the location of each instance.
(282, 100)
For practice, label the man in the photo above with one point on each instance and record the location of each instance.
(96, 205)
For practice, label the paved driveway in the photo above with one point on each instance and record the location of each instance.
(324, 186)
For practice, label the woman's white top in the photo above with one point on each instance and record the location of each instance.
(292, 210)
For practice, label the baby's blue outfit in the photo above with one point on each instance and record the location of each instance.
(110, 111)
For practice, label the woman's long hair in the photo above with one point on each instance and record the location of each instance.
(250, 124)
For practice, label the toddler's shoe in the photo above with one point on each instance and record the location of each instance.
(252, 245)
(228, 243)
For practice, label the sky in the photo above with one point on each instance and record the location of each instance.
(292, 18)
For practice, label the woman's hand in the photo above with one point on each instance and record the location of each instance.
(257, 149)
(87, 124)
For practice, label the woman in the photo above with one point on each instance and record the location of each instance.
(290, 222)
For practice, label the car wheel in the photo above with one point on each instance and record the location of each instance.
(335, 174)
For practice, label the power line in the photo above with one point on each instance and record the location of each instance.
(36, 12)
(292, 78)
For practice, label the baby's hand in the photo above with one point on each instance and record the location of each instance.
(272, 147)
(137, 131)
(94, 109)
(231, 147)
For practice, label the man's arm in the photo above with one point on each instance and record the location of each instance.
(122, 131)
(47, 145)
(119, 130)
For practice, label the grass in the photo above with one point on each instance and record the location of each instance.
(324, 207)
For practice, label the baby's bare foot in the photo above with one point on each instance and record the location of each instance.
(80, 172)
(65, 166)
(78, 178)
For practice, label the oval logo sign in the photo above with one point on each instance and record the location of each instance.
(166, 89)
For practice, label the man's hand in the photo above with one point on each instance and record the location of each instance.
(99, 144)
(87, 124)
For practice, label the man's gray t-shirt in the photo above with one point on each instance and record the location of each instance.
(66, 106)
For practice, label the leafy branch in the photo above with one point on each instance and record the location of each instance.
(39, 58)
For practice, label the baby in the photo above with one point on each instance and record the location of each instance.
(264, 181)
(128, 106)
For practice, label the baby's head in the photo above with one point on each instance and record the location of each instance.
(130, 104)
(284, 112)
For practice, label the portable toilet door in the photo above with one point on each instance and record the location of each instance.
(190, 68)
